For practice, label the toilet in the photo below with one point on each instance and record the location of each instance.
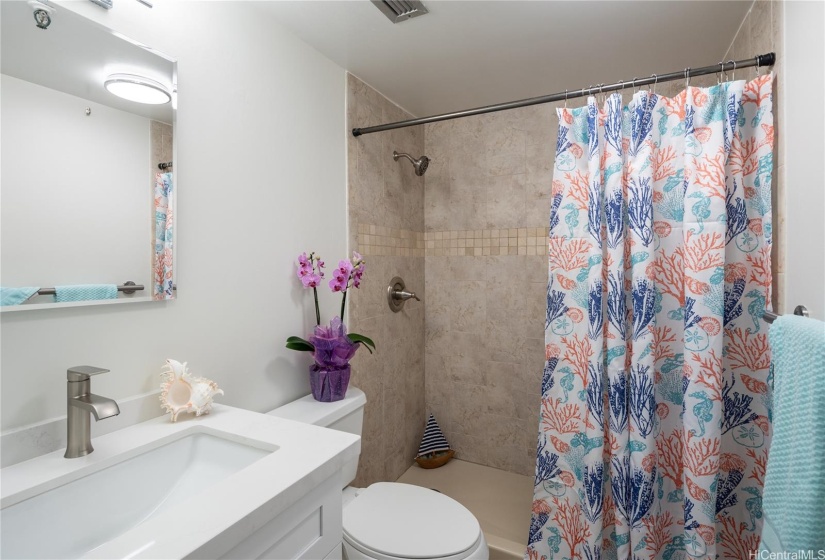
(390, 520)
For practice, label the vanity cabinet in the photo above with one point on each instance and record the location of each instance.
(311, 528)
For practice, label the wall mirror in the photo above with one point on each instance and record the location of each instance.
(87, 184)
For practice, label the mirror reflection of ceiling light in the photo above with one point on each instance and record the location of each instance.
(137, 88)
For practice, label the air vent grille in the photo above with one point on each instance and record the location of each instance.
(401, 10)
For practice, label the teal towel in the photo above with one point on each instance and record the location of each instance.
(794, 498)
(16, 296)
(85, 292)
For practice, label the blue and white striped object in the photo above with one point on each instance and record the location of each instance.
(433, 439)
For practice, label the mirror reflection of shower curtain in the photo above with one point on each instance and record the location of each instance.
(655, 418)
(163, 259)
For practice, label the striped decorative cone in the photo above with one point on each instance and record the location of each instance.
(434, 450)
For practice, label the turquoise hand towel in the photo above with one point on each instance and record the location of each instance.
(16, 296)
(85, 292)
(794, 498)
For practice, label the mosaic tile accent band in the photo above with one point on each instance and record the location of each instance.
(375, 240)
(379, 240)
(486, 242)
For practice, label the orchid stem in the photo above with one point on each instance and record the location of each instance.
(317, 309)
(343, 304)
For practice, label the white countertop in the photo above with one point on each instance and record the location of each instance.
(306, 455)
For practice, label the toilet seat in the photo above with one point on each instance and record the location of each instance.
(390, 520)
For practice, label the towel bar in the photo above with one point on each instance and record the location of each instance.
(127, 288)
(800, 310)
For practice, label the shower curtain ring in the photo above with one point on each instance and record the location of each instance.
(565, 99)
(687, 77)
(758, 67)
(634, 85)
(721, 73)
(733, 74)
(655, 81)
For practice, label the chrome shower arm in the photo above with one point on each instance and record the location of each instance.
(396, 155)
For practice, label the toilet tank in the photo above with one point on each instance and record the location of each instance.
(346, 415)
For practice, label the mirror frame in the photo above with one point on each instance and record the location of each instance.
(149, 290)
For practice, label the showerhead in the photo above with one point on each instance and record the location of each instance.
(421, 164)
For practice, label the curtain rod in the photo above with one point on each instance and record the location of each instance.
(758, 61)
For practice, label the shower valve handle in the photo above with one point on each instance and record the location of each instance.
(403, 295)
(397, 294)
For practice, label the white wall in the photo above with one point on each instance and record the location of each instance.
(261, 175)
(804, 129)
(76, 197)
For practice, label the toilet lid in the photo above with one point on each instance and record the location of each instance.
(409, 521)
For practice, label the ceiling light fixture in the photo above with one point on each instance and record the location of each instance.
(137, 88)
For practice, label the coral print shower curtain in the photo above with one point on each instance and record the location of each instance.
(655, 417)
(163, 273)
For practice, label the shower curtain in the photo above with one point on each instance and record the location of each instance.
(163, 257)
(655, 417)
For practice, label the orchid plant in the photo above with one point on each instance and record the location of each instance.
(331, 346)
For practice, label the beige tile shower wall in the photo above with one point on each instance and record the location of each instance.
(161, 138)
(486, 207)
(386, 224)
(762, 32)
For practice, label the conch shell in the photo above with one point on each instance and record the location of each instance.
(183, 392)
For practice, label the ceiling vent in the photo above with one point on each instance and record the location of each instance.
(400, 10)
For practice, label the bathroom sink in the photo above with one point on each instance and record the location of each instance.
(92, 510)
(164, 490)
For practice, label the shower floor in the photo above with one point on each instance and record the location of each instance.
(500, 500)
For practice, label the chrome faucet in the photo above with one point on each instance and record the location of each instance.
(81, 403)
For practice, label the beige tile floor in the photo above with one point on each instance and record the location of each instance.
(500, 500)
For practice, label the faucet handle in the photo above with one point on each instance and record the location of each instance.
(405, 295)
(82, 373)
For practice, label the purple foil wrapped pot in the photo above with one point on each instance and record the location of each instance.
(328, 385)
(329, 376)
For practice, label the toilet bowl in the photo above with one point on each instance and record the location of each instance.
(390, 520)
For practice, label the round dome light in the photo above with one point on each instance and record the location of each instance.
(137, 89)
